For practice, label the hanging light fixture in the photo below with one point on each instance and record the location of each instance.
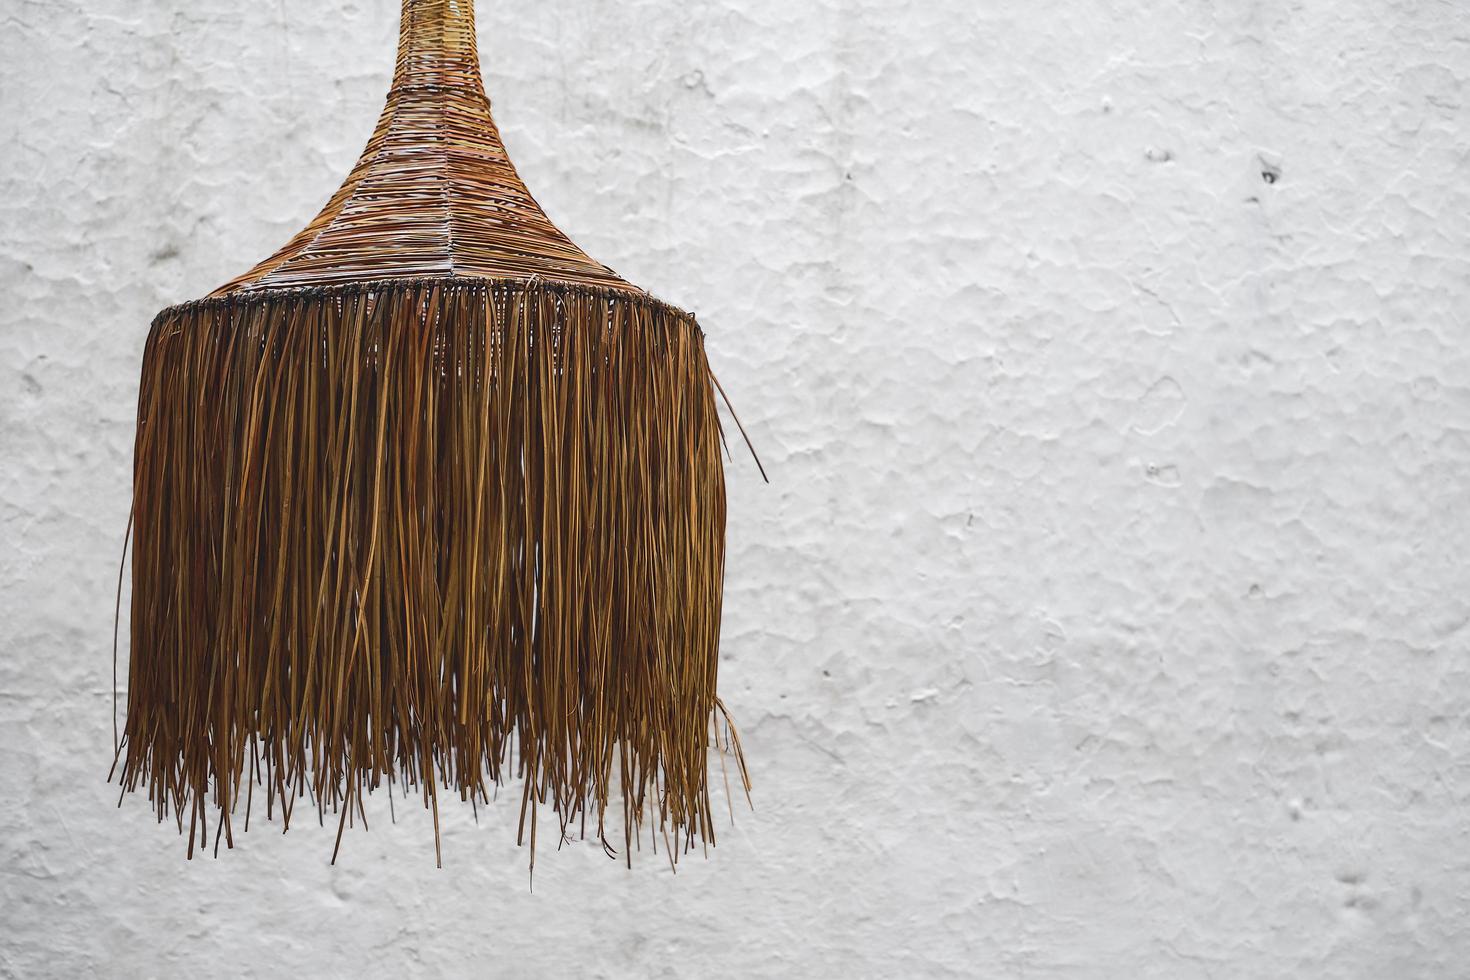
(428, 499)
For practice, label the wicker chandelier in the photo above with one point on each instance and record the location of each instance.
(429, 499)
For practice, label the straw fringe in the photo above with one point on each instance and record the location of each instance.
(443, 533)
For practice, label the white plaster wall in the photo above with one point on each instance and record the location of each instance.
(1108, 613)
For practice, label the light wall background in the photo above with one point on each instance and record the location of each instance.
(1108, 612)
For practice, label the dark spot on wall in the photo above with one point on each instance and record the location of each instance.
(1270, 173)
(695, 82)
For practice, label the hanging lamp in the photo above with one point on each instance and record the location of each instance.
(428, 500)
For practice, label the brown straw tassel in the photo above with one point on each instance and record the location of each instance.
(428, 497)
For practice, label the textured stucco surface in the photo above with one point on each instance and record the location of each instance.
(1108, 613)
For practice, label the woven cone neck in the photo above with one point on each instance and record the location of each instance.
(436, 46)
(434, 193)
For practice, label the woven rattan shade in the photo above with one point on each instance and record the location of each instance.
(428, 500)
(434, 193)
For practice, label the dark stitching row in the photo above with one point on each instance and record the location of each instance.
(246, 297)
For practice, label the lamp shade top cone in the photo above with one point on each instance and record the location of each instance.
(434, 193)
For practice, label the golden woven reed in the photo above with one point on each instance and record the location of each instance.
(428, 498)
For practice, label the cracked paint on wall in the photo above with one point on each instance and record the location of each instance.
(1107, 614)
